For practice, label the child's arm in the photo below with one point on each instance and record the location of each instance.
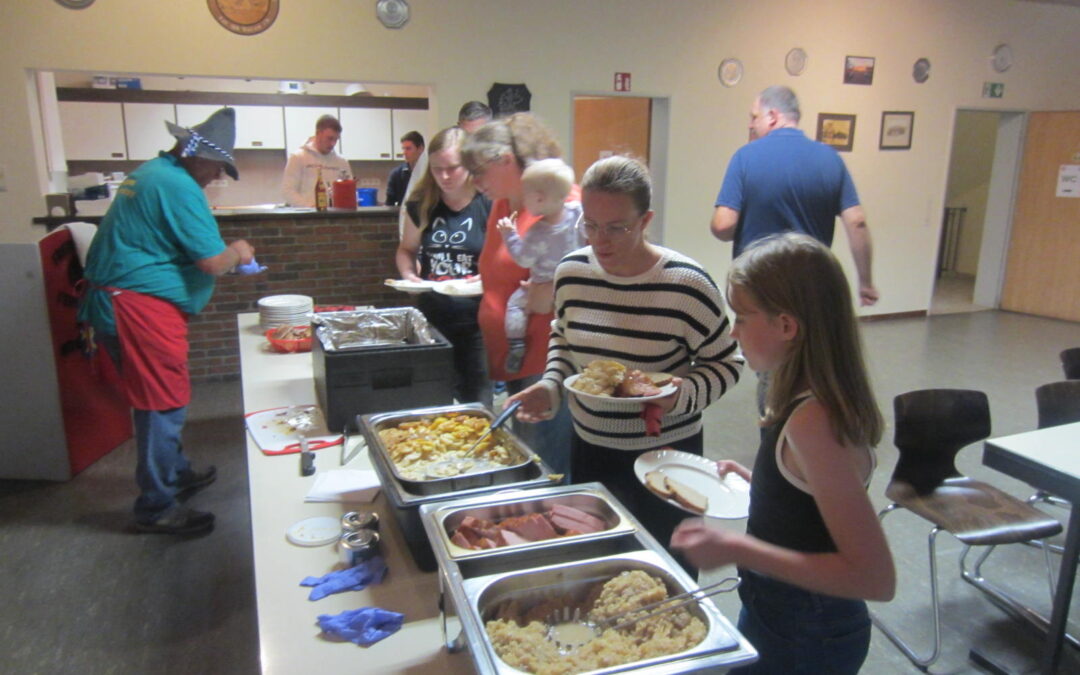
(516, 245)
(862, 566)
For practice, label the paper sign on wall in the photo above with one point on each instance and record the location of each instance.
(1068, 184)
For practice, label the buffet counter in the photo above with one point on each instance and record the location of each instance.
(290, 640)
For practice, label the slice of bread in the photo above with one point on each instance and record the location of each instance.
(657, 482)
(687, 496)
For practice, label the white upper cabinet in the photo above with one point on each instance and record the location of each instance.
(92, 130)
(300, 125)
(367, 134)
(190, 114)
(144, 126)
(406, 121)
(260, 127)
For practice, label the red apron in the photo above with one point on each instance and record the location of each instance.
(153, 350)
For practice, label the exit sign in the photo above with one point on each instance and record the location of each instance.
(993, 89)
(622, 81)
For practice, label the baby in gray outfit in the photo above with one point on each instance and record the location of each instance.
(544, 187)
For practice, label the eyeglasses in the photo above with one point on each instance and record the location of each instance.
(611, 231)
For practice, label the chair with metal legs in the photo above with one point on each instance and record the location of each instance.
(932, 426)
(1070, 363)
(1058, 403)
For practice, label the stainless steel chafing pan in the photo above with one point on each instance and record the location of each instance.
(721, 646)
(521, 468)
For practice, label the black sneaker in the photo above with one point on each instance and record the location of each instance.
(190, 482)
(178, 520)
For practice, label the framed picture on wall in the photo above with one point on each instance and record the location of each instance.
(858, 70)
(896, 128)
(836, 130)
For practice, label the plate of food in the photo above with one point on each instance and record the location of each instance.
(411, 286)
(692, 483)
(461, 287)
(612, 382)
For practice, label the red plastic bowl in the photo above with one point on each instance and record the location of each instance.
(288, 346)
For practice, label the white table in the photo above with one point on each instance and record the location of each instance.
(1048, 459)
(289, 638)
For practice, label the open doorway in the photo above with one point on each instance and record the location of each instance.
(978, 205)
(624, 125)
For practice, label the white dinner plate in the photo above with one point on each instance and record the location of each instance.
(315, 531)
(666, 390)
(411, 286)
(729, 497)
(464, 288)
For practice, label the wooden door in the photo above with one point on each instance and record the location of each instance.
(610, 125)
(1042, 273)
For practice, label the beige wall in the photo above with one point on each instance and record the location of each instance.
(974, 139)
(560, 47)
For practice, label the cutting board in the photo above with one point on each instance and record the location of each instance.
(275, 429)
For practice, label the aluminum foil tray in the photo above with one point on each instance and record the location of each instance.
(366, 328)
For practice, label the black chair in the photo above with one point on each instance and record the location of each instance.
(1070, 363)
(932, 426)
(1058, 403)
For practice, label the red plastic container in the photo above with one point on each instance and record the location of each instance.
(345, 193)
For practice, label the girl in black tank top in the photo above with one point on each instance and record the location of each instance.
(814, 550)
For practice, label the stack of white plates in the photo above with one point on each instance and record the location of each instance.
(285, 310)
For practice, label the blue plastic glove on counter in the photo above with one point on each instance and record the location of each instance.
(252, 267)
(351, 579)
(364, 626)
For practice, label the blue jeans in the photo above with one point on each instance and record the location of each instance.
(160, 453)
(798, 631)
(551, 438)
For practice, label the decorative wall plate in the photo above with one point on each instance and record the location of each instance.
(245, 18)
(1002, 58)
(920, 72)
(730, 72)
(75, 4)
(392, 13)
(795, 61)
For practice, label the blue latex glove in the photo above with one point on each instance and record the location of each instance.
(364, 626)
(351, 579)
(252, 267)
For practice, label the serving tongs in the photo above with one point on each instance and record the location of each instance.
(569, 631)
(495, 424)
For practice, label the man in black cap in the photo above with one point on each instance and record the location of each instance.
(151, 265)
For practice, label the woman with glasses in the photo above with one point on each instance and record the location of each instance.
(496, 154)
(647, 307)
(445, 222)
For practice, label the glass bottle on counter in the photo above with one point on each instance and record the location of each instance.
(322, 198)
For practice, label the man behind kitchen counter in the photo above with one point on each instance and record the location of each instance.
(314, 157)
(412, 146)
(151, 265)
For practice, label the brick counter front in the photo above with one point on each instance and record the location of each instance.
(338, 258)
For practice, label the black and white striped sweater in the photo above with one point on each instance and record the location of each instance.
(670, 319)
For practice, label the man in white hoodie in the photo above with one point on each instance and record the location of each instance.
(316, 155)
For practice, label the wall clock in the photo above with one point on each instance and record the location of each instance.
(392, 13)
(730, 72)
(920, 72)
(1002, 58)
(244, 17)
(795, 61)
(75, 4)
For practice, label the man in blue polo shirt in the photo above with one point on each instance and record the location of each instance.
(783, 181)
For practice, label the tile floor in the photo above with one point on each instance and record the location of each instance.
(83, 593)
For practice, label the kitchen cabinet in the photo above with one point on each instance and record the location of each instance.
(92, 130)
(145, 130)
(258, 127)
(367, 134)
(300, 125)
(405, 121)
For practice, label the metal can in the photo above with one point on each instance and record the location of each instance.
(359, 520)
(357, 547)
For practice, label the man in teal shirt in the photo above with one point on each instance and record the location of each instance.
(151, 265)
